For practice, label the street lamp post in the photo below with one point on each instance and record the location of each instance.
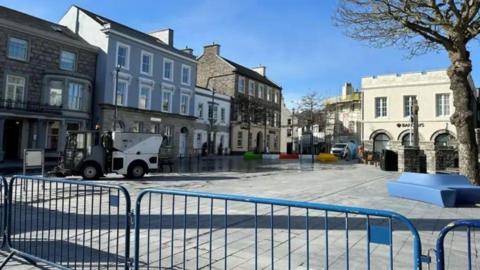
(311, 131)
(212, 119)
(117, 70)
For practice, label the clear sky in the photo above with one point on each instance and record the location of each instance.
(294, 39)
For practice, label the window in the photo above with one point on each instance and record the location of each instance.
(155, 128)
(251, 88)
(277, 97)
(380, 142)
(67, 60)
(444, 140)
(123, 55)
(275, 119)
(351, 126)
(186, 71)
(222, 115)
(240, 139)
(269, 93)
(407, 139)
(73, 126)
(53, 131)
(408, 105)
(380, 107)
(241, 85)
(17, 49)
(75, 93)
(122, 93)
(199, 140)
(15, 89)
(260, 91)
(167, 101)
(147, 63)
(167, 69)
(443, 104)
(289, 121)
(168, 134)
(289, 132)
(200, 110)
(213, 111)
(55, 93)
(137, 126)
(144, 97)
(184, 100)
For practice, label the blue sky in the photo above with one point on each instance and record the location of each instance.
(296, 40)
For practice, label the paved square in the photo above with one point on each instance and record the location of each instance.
(343, 183)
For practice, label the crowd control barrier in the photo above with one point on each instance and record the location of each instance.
(177, 229)
(469, 226)
(69, 224)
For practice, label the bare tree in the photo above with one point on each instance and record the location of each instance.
(421, 26)
(309, 110)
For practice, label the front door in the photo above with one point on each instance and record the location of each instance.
(12, 138)
(182, 142)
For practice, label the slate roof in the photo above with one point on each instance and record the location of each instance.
(252, 74)
(39, 24)
(133, 32)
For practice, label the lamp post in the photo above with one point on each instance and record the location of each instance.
(293, 140)
(211, 118)
(117, 70)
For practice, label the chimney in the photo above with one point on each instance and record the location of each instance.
(165, 35)
(260, 70)
(212, 49)
(347, 89)
(188, 50)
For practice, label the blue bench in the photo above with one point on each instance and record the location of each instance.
(440, 189)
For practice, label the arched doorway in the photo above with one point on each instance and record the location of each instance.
(444, 140)
(407, 139)
(182, 142)
(259, 147)
(380, 141)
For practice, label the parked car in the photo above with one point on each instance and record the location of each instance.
(339, 149)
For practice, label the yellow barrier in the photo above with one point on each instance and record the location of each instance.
(326, 158)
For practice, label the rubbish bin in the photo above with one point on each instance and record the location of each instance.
(389, 160)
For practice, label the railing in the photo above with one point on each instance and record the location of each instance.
(193, 230)
(9, 104)
(69, 224)
(469, 225)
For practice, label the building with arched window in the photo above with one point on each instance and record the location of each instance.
(387, 108)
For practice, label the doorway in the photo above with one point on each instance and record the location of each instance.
(182, 142)
(12, 139)
(259, 148)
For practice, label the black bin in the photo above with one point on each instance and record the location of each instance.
(389, 160)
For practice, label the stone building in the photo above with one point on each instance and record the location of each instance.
(156, 82)
(46, 83)
(387, 107)
(289, 136)
(255, 105)
(212, 110)
(343, 116)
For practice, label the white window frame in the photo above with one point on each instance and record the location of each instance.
(149, 101)
(171, 91)
(81, 99)
(444, 105)
(411, 99)
(187, 107)
(261, 91)
(18, 58)
(149, 54)
(382, 105)
(223, 113)
(166, 60)
(127, 59)
(189, 75)
(16, 85)
(269, 93)
(200, 105)
(74, 68)
(125, 101)
(241, 90)
(250, 83)
(276, 96)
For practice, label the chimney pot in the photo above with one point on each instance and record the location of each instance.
(262, 70)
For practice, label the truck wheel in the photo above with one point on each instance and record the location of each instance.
(90, 171)
(136, 170)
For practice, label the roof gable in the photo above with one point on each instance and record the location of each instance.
(242, 70)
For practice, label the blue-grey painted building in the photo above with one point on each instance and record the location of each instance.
(156, 81)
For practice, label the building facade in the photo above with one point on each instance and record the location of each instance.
(387, 108)
(213, 119)
(156, 81)
(343, 116)
(255, 104)
(46, 84)
(289, 142)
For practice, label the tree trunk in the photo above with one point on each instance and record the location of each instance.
(464, 118)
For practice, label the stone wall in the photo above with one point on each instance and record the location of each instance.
(411, 159)
(211, 64)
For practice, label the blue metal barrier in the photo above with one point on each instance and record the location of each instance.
(69, 224)
(193, 230)
(440, 250)
(3, 209)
